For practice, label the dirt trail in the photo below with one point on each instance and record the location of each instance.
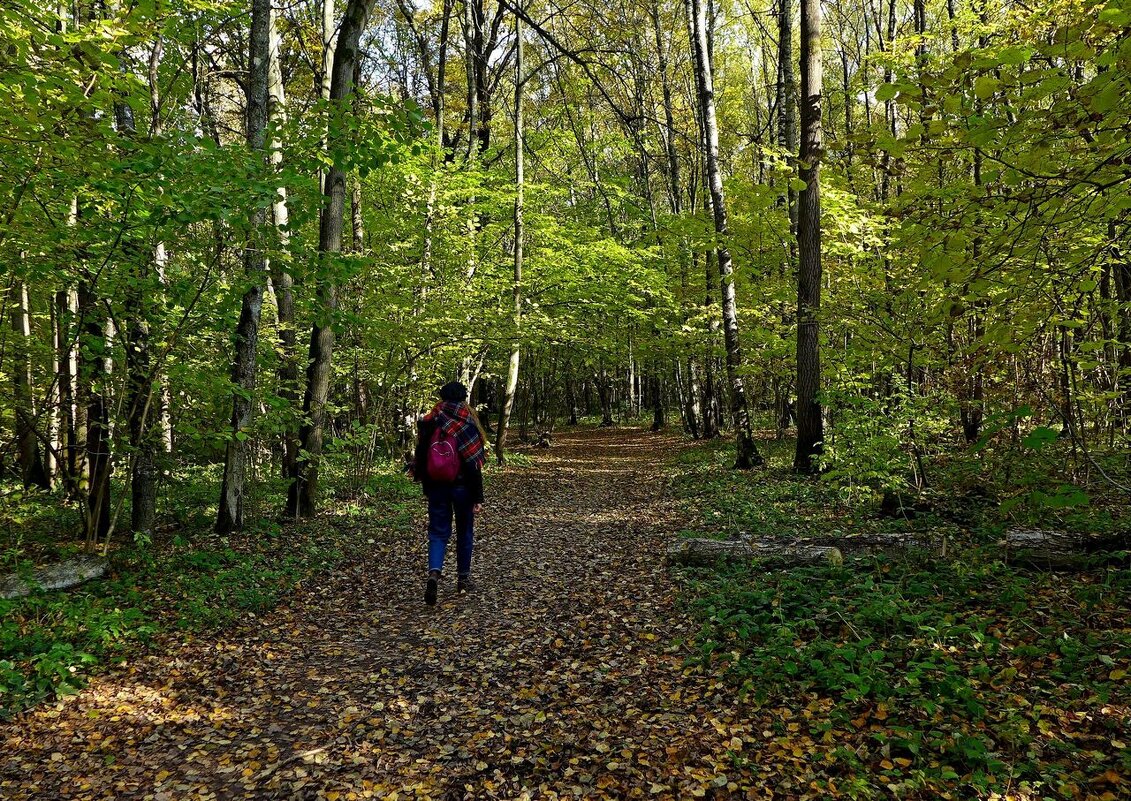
(557, 678)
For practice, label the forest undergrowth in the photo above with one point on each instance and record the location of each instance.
(184, 582)
(908, 674)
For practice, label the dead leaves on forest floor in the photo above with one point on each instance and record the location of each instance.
(562, 677)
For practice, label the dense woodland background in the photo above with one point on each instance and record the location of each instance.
(189, 186)
(875, 253)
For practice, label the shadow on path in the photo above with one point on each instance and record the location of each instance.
(558, 678)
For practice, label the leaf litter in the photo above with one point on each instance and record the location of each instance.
(562, 676)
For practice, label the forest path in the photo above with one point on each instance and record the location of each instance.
(557, 678)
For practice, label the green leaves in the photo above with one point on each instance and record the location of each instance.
(885, 92)
(985, 86)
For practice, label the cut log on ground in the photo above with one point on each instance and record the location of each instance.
(868, 543)
(61, 576)
(706, 552)
(1061, 550)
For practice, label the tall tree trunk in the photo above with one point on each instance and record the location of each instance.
(470, 39)
(787, 141)
(230, 516)
(787, 109)
(748, 455)
(516, 289)
(659, 418)
(810, 428)
(32, 470)
(65, 357)
(328, 45)
(138, 359)
(303, 492)
(93, 373)
(281, 280)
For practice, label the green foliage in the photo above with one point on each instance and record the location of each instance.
(50, 642)
(941, 656)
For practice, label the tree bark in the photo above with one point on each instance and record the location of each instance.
(699, 552)
(748, 455)
(282, 281)
(230, 516)
(32, 470)
(659, 418)
(303, 492)
(1121, 274)
(1061, 550)
(516, 287)
(93, 372)
(810, 428)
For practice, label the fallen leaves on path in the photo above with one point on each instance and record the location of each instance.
(561, 677)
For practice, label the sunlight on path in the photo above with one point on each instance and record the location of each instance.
(557, 679)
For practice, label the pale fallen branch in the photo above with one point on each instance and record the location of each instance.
(60, 576)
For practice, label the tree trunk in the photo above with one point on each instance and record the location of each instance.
(699, 552)
(230, 516)
(65, 357)
(659, 419)
(605, 393)
(30, 456)
(138, 357)
(93, 372)
(281, 280)
(1061, 550)
(748, 455)
(810, 428)
(516, 288)
(303, 491)
(1121, 273)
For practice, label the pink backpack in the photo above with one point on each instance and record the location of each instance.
(443, 459)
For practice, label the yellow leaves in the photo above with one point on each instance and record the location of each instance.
(1117, 675)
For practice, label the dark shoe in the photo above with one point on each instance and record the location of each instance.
(465, 584)
(430, 589)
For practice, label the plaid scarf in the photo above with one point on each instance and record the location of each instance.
(456, 421)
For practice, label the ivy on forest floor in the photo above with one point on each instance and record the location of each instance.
(913, 676)
(185, 581)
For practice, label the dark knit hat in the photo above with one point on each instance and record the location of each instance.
(454, 391)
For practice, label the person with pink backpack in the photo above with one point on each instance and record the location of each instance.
(451, 448)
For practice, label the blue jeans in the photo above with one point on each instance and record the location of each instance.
(443, 500)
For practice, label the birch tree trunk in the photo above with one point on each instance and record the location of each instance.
(230, 516)
(748, 455)
(787, 141)
(281, 280)
(303, 492)
(519, 181)
(810, 427)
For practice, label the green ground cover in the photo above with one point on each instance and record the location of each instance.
(911, 674)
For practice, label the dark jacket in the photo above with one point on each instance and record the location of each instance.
(470, 476)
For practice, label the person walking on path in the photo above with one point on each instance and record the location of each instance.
(450, 432)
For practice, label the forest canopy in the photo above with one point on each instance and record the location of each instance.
(259, 237)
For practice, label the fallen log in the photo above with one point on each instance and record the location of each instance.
(706, 552)
(1060, 550)
(60, 576)
(878, 542)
